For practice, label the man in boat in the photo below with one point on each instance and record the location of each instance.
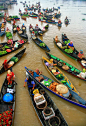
(29, 82)
(81, 54)
(65, 38)
(10, 76)
(37, 73)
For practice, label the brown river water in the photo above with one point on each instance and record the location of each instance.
(25, 114)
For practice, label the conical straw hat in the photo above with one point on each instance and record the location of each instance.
(62, 89)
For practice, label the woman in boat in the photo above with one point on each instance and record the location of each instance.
(81, 54)
(10, 41)
(30, 26)
(66, 19)
(21, 41)
(7, 29)
(14, 22)
(59, 21)
(51, 64)
(10, 76)
(16, 45)
(33, 34)
(56, 39)
(18, 28)
(29, 82)
(36, 27)
(5, 64)
(70, 45)
(2, 26)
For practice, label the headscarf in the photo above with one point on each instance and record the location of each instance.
(5, 60)
(81, 51)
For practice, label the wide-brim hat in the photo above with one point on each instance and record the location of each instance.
(62, 89)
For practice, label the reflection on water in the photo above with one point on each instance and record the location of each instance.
(76, 31)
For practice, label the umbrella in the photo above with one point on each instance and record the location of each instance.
(8, 97)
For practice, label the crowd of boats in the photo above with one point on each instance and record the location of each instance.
(46, 109)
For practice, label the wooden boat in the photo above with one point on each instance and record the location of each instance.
(69, 52)
(48, 21)
(58, 74)
(65, 66)
(7, 103)
(23, 17)
(7, 48)
(22, 34)
(2, 31)
(13, 60)
(8, 34)
(33, 15)
(8, 19)
(14, 17)
(81, 61)
(51, 85)
(41, 44)
(45, 108)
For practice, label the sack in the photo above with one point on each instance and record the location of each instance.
(15, 59)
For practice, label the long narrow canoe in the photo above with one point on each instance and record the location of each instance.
(58, 74)
(7, 103)
(2, 31)
(51, 85)
(81, 61)
(62, 64)
(7, 48)
(47, 110)
(9, 34)
(66, 50)
(14, 60)
(41, 44)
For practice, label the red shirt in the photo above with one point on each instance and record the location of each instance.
(10, 76)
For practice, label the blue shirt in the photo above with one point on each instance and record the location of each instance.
(36, 75)
(70, 44)
(32, 82)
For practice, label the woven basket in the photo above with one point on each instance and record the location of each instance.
(54, 121)
(42, 106)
